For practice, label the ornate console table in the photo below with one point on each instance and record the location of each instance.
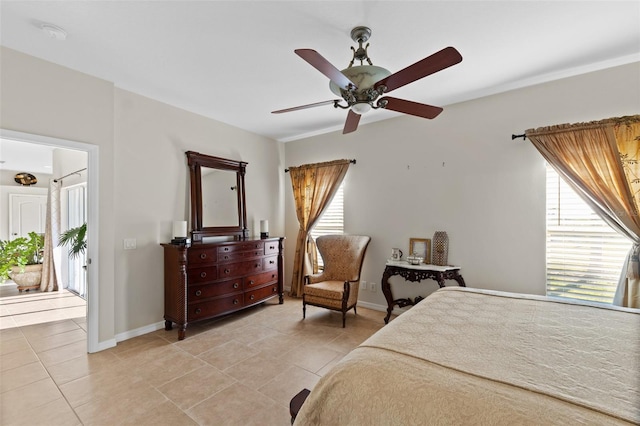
(415, 273)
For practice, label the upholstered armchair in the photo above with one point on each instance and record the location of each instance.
(336, 287)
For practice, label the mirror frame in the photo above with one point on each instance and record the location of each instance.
(195, 162)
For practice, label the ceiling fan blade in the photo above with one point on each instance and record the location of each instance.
(325, 67)
(317, 104)
(431, 64)
(412, 108)
(352, 122)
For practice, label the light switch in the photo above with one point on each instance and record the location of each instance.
(129, 243)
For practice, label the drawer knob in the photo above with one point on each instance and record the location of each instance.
(203, 255)
(226, 271)
(198, 293)
(203, 274)
(251, 282)
(235, 285)
(272, 247)
(252, 297)
(273, 275)
(226, 249)
(226, 257)
(257, 265)
(272, 262)
(274, 289)
(198, 310)
(235, 301)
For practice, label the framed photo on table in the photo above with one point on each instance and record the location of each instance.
(420, 247)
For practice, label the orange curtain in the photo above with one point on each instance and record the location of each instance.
(600, 160)
(314, 186)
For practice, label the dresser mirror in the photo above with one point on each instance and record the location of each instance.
(218, 205)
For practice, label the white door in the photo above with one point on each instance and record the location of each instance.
(28, 214)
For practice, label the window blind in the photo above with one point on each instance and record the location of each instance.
(332, 220)
(584, 254)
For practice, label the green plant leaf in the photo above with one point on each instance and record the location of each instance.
(75, 239)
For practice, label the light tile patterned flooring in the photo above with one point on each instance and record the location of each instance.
(242, 369)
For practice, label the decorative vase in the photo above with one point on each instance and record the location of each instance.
(29, 278)
(440, 248)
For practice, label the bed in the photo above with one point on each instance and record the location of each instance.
(469, 356)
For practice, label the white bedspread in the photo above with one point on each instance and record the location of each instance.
(466, 356)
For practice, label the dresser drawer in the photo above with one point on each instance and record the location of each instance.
(239, 269)
(254, 296)
(197, 256)
(202, 275)
(196, 293)
(214, 307)
(237, 255)
(271, 247)
(270, 263)
(248, 246)
(260, 279)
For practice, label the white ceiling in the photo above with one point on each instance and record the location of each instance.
(234, 60)
(26, 157)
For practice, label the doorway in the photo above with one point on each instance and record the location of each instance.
(92, 218)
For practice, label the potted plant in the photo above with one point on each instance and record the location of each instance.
(76, 239)
(21, 260)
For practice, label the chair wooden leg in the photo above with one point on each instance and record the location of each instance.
(304, 310)
(344, 319)
(354, 310)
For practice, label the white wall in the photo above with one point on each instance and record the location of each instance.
(462, 173)
(142, 173)
(152, 187)
(42, 98)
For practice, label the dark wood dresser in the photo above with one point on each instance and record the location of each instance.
(206, 280)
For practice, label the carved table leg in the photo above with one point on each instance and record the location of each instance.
(440, 279)
(168, 325)
(386, 290)
(459, 279)
(182, 331)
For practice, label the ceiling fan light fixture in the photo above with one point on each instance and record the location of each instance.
(361, 107)
(363, 76)
(362, 86)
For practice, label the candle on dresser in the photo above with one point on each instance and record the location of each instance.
(264, 228)
(179, 229)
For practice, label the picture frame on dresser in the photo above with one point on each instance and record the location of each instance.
(420, 247)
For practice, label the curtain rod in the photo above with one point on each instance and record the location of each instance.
(523, 136)
(72, 173)
(351, 161)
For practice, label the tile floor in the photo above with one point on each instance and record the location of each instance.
(242, 369)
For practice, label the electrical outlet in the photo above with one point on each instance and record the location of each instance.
(129, 243)
(363, 285)
(372, 286)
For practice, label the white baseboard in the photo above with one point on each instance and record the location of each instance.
(160, 325)
(383, 308)
(139, 331)
(106, 344)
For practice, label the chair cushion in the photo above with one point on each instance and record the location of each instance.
(326, 289)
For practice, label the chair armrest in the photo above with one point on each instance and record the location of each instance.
(314, 278)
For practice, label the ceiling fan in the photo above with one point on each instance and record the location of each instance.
(362, 86)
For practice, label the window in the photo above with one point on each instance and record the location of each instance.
(584, 254)
(76, 280)
(332, 220)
